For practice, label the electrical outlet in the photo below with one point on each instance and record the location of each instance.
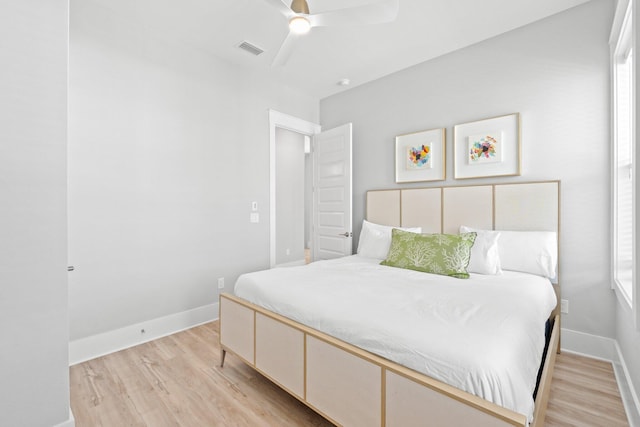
(254, 217)
(221, 283)
(564, 306)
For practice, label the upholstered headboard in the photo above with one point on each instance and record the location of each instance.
(526, 206)
(531, 206)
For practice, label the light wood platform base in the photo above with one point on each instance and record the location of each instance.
(177, 381)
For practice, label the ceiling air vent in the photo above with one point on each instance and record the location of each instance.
(252, 49)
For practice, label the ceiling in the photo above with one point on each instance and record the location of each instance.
(424, 29)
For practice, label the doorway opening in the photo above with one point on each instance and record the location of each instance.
(294, 198)
(291, 189)
(310, 191)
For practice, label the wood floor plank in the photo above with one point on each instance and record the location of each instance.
(584, 392)
(106, 404)
(177, 381)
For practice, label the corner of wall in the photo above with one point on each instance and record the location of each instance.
(606, 349)
(627, 390)
(70, 422)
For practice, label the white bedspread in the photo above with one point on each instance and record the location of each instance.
(484, 335)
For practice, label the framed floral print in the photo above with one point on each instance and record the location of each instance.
(420, 156)
(489, 147)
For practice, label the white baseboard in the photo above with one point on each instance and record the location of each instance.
(593, 346)
(603, 348)
(627, 391)
(88, 348)
(71, 422)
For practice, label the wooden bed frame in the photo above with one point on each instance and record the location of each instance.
(352, 387)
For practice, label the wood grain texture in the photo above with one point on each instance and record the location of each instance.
(584, 392)
(177, 381)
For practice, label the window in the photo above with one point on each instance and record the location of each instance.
(623, 155)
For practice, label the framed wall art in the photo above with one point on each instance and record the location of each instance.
(489, 147)
(420, 156)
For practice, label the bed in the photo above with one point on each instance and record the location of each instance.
(340, 335)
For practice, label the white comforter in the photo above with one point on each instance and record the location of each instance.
(484, 335)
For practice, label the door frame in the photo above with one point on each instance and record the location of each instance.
(282, 121)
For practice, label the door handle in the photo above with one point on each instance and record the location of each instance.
(347, 234)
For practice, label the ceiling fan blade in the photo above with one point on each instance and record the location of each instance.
(282, 7)
(286, 49)
(375, 13)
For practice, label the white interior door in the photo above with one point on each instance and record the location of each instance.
(332, 234)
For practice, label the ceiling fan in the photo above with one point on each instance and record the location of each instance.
(301, 21)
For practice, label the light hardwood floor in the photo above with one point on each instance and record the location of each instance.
(177, 381)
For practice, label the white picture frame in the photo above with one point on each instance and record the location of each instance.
(488, 147)
(420, 156)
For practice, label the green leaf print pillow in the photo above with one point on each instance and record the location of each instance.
(446, 254)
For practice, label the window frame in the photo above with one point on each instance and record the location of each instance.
(623, 40)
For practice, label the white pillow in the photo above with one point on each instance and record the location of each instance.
(485, 255)
(534, 252)
(375, 239)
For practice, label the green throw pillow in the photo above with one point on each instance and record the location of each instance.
(446, 254)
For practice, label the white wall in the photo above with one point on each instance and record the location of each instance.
(34, 374)
(555, 73)
(168, 147)
(290, 196)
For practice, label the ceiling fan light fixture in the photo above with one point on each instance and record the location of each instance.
(300, 6)
(299, 25)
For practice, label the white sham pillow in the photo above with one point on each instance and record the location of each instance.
(375, 239)
(485, 254)
(534, 252)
